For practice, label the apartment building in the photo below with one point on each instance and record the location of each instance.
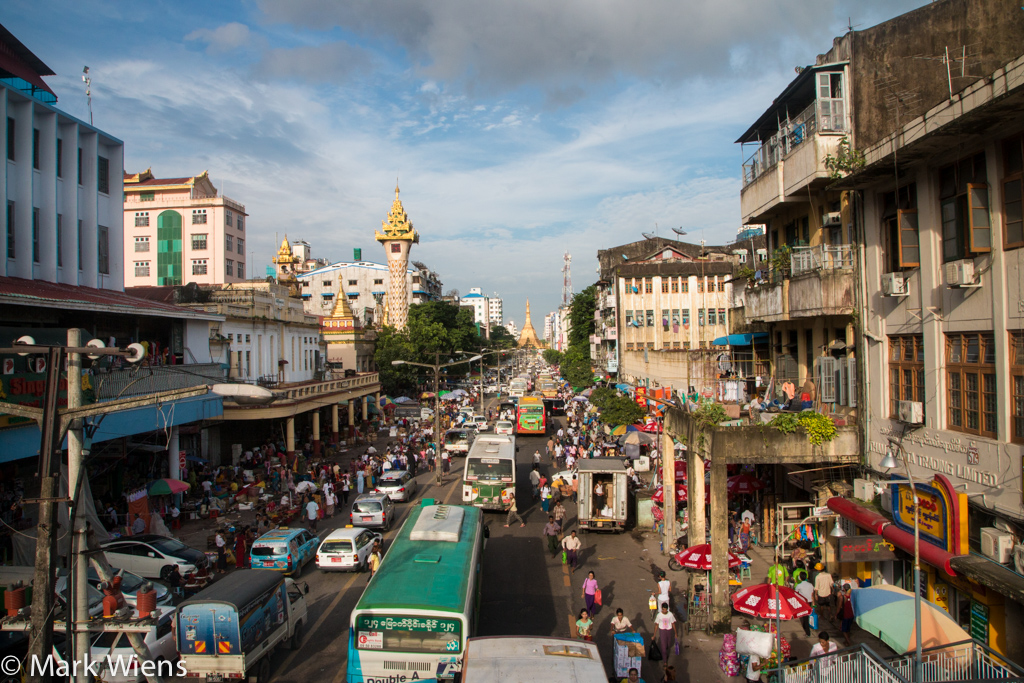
(180, 230)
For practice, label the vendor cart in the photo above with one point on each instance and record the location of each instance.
(698, 603)
(629, 653)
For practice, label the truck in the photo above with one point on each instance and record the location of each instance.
(231, 629)
(611, 474)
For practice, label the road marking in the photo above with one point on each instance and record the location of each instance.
(286, 664)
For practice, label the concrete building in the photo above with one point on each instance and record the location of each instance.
(362, 283)
(495, 310)
(479, 304)
(512, 329)
(179, 230)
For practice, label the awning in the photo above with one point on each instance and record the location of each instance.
(741, 339)
(991, 574)
(624, 387)
(877, 524)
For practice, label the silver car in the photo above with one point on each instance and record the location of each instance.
(374, 510)
(398, 484)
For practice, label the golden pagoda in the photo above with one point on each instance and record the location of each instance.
(397, 236)
(528, 337)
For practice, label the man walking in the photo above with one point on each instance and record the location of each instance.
(513, 512)
(551, 532)
(571, 545)
(312, 510)
(806, 591)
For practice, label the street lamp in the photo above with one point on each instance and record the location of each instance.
(889, 462)
(436, 366)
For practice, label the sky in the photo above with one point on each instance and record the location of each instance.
(517, 131)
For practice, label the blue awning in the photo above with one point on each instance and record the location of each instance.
(741, 339)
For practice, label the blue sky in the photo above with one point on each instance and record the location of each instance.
(517, 130)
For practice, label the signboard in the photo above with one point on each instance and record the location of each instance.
(933, 518)
(979, 621)
(393, 623)
(641, 396)
(181, 461)
(865, 549)
(371, 640)
(26, 388)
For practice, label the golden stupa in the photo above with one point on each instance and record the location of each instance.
(528, 337)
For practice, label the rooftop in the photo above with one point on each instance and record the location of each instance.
(22, 292)
(24, 69)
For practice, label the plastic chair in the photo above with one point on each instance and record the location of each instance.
(745, 571)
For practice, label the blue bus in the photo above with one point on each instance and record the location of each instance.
(419, 609)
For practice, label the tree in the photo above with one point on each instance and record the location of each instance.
(620, 410)
(394, 345)
(553, 356)
(575, 367)
(500, 338)
(581, 317)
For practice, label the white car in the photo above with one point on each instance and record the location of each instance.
(398, 484)
(151, 556)
(480, 421)
(346, 549)
(504, 427)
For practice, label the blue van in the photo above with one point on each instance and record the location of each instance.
(285, 550)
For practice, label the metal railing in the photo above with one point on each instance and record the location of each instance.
(790, 135)
(327, 387)
(821, 257)
(146, 379)
(968, 660)
(860, 664)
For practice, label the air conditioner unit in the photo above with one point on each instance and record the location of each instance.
(894, 284)
(864, 489)
(1018, 558)
(910, 412)
(996, 544)
(887, 500)
(961, 274)
(831, 218)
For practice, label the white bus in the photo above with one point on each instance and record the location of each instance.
(489, 477)
(517, 387)
(514, 659)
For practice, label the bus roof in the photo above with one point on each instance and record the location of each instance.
(493, 446)
(425, 574)
(523, 659)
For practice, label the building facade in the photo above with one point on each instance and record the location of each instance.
(179, 230)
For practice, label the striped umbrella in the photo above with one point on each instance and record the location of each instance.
(888, 612)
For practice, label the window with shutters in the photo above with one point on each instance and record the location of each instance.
(1013, 193)
(648, 285)
(831, 102)
(901, 241)
(826, 378)
(664, 319)
(971, 383)
(664, 285)
(1017, 386)
(650, 318)
(700, 317)
(675, 285)
(629, 318)
(906, 371)
(721, 316)
(686, 316)
(964, 208)
(685, 284)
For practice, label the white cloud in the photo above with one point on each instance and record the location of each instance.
(223, 38)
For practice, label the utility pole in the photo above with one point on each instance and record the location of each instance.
(78, 572)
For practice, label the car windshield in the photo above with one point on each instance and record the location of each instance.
(337, 546)
(268, 550)
(367, 506)
(168, 546)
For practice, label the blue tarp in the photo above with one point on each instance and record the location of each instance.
(741, 339)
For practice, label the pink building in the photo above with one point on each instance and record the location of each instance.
(178, 230)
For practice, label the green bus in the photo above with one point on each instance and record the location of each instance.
(489, 478)
(530, 418)
(417, 612)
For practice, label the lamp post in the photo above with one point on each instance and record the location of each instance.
(889, 462)
(436, 367)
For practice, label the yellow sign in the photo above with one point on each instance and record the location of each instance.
(941, 597)
(933, 515)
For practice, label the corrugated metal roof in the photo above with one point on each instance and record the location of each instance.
(21, 292)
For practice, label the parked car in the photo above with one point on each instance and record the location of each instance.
(504, 427)
(151, 556)
(286, 550)
(398, 484)
(373, 510)
(346, 549)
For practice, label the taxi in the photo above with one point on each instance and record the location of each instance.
(286, 550)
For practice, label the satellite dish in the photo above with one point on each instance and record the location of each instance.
(96, 344)
(25, 341)
(648, 235)
(138, 352)
(679, 231)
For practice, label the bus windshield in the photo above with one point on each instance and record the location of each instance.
(488, 469)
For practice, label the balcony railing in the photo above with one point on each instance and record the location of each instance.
(791, 135)
(965, 661)
(146, 379)
(821, 257)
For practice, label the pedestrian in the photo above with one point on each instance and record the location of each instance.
(374, 559)
(139, 525)
(844, 612)
(584, 624)
(513, 511)
(633, 676)
(535, 482)
(668, 630)
(590, 591)
(329, 502)
(753, 672)
(571, 545)
(822, 590)
(824, 647)
(222, 557)
(241, 556)
(621, 624)
(545, 498)
(551, 532)
(664, 588)
(312, 510)
(559, 512)
(360, 480)
(806, 591)
(346, 485)
(575, 488)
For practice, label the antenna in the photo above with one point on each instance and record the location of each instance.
(951, 57)
(88, 90)
(566, 279)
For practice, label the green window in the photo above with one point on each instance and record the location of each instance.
(168, 251)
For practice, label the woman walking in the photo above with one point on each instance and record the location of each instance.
(513, 512)
(584, 624)
(590, 591)
(668, 630)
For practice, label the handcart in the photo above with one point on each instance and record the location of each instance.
(698, 604)
(629, 653)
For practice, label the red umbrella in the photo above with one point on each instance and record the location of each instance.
(743, 483)
(659, 494)
(769, 601)
(699, 557)
(650, 427)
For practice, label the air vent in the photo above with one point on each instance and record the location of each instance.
(438, 523)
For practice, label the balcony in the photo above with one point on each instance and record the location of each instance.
(767, 302)
(782, 168)
(822, 257)
(823, 281)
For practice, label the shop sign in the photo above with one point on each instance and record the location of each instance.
(28, 388)
(979, 621)
(865, 549)
(641, 396)
(942, 595)
(933, 517)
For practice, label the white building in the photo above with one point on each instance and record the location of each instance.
(365, 285)
(512, 329)
(480, 305)
(495, 309)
